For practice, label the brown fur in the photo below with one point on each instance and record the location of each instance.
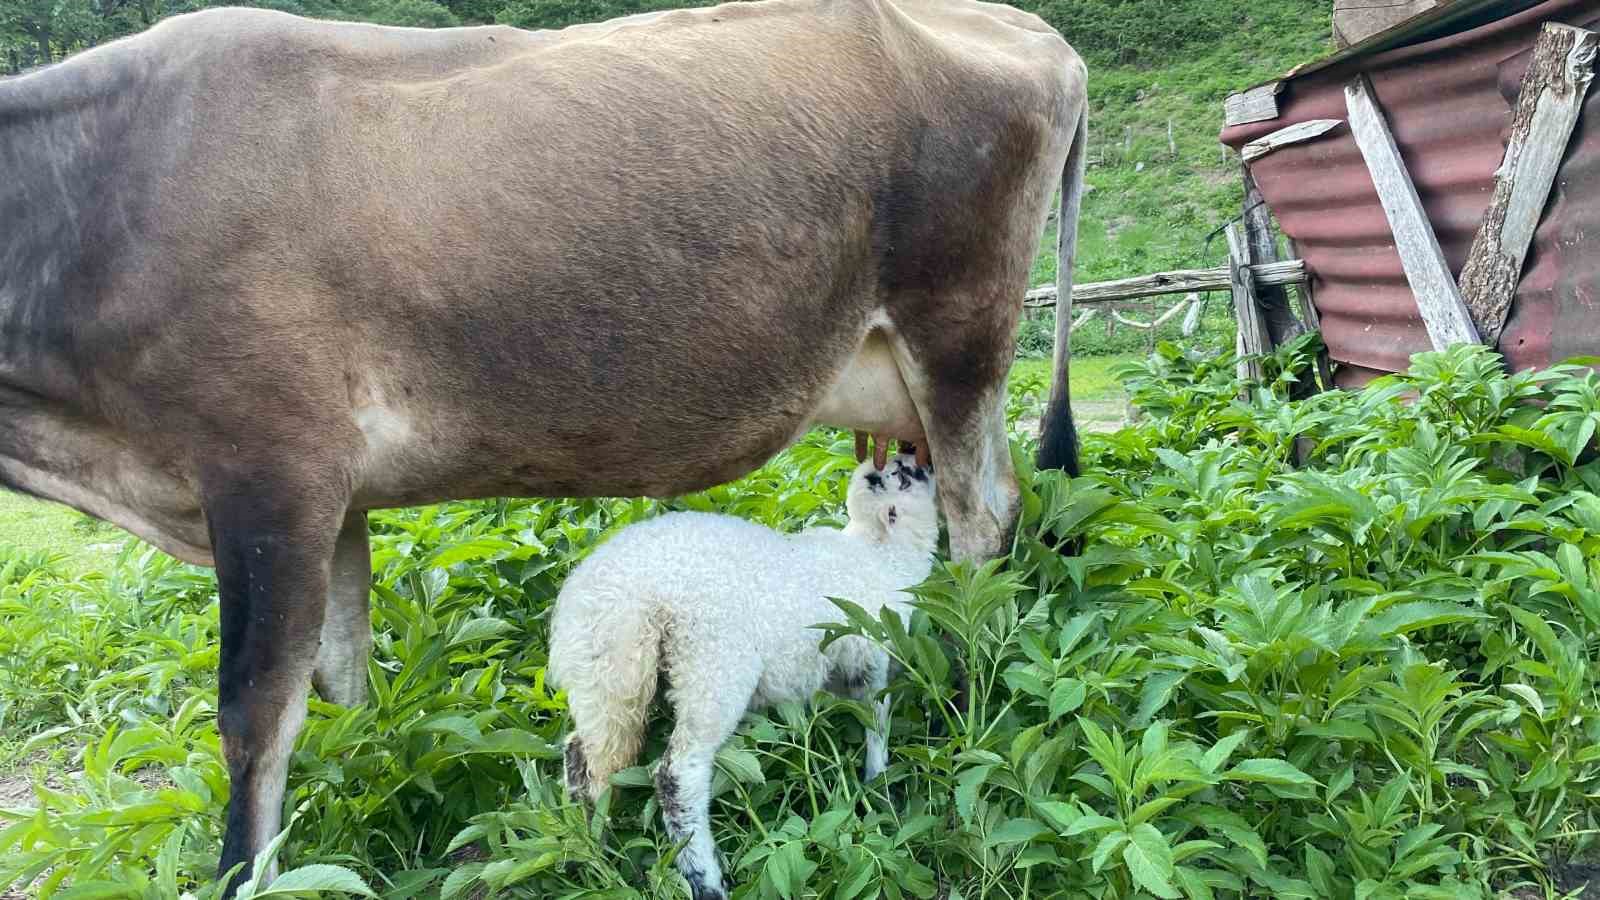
(260, 273)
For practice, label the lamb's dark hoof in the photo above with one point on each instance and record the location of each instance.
(703, 891)
(576, 769)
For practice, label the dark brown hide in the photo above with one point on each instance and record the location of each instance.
(260, 273)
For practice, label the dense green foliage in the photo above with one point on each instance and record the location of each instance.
(1370, 676)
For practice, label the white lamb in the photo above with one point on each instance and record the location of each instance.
(725, 607)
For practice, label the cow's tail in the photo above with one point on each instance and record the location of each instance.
(1058, 442)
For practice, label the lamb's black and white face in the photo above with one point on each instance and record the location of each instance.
(899, 491)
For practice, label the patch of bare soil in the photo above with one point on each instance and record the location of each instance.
(1089, 415)
(1580, 880)
(16, 792)
(16, 783)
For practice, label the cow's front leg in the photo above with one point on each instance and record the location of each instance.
(273, 545)
(957, 379)
(340, 675)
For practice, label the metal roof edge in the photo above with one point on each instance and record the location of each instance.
(1437, 22)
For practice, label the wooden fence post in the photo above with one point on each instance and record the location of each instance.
(1282, 324)
(1308, 306)
(1289, 271)
(1253, 338)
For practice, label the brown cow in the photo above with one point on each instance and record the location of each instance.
(259, 274)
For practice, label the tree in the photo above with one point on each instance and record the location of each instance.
(43, 30)
(561, 13)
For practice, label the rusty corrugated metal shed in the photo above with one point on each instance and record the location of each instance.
(1448, 100)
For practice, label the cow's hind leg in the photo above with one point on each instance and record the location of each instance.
(273, 541)
(955, 368)
(340, 675)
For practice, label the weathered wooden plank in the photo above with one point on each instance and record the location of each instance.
(1432, 283)
(1182, 281)
(1282, 324)
(1297, 133)
(1354, 22)
(1252, 337)
(1541, 127)
(1258, 104)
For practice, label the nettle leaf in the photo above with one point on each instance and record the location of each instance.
(914, 828)
(1230, 825)
(825, 827)
(1107, 847)
(1217, 756)
(483, 548)
(967, 784)
(1066, 696)
(788, 868)
(1340, 729)
(1015, 831)
(740, 764)
(1269, 771)
(1090, 822)
(1061, 815)
(1149, 860)
(1152, 808)
(1340, 783)
(1529, 696)
(1403, 618)
(1320, 870)
(860, 872)
(1157, 691)
(479, 629)
(1026, 679)
(461, 880)
(314, 879)
(1193, 883)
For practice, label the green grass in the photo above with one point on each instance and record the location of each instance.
(1092, 381)
(1151, 206)
(35, 526)
(1148, 209)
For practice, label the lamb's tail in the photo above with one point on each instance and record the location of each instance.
(606, 653)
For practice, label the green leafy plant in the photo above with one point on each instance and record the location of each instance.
(1363, 671)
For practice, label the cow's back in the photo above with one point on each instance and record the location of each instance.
(622, 258)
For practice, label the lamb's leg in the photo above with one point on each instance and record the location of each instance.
(683, 788)
(707, 712)
(873, 682)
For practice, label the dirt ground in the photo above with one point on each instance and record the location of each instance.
(1090, 415)
(16, 791)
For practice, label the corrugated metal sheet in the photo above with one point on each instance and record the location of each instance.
(1449, 103)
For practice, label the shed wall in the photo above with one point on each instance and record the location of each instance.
(1449, 105)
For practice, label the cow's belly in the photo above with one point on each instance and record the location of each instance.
(423, 450)
(870, 395)
(94, 471)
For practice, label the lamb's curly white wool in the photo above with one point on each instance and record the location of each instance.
(725, 607)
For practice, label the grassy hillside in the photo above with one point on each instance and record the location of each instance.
(1149, 209)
